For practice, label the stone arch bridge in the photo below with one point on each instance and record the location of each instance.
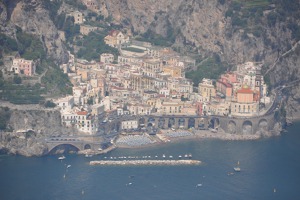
(79, 143)
(233, 125)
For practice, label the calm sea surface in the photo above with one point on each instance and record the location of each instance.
(270, 170)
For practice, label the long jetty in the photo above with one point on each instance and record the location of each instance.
(145, 162)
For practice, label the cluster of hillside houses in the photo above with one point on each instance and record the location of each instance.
(150, 80)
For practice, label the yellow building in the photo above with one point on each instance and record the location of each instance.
(86, 29)
(174, 71)
(78, 17)
(116, 38)
(171, 108)
(83, 73)
(206, 89)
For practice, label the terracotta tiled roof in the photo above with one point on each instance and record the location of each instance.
(82, 113)
(245, 91)
(226, 84)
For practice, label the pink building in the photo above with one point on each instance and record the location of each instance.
(22, 66)
(229, 77)
(225, 88)
(199, 106)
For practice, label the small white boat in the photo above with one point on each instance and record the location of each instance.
(179, 156)
(61, 158)
(199, 185)
(170, 156)
(88, 155)
(163, 155)
(237, 168)
(68, 166)
(64, 176)
(185, 155)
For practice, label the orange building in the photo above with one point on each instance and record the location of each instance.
(245, 95)
(246, 103)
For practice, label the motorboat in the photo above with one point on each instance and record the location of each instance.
(199, 185)
(68, 166)
(88, 155)
(237, 168)
(61, 158)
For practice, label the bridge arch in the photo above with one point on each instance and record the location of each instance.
(214, 123)
(263, 125)
(191, 123)
(161, 122)
(181, 122)
(231, 127)
(201, 124)
(87, 146)
(151, 122)
(64, 147)
(142, 122)
(247, 127)
(171, 123)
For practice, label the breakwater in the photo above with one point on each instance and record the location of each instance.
(145, 162)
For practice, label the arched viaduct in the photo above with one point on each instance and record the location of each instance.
(233, 125)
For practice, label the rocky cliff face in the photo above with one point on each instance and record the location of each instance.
(33, 18)
(40, 124)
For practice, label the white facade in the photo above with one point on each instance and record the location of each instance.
(106, 58)
(130, 124)
(66, 103)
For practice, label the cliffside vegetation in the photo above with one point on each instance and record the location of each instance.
(211, 68)
(30, 47)
(4, 118)
(92, 45)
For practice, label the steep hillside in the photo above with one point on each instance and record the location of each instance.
(33, 18)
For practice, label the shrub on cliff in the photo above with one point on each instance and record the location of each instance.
(49, 104)
(4, 117)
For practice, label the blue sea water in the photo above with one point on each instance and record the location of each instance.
(266, 164)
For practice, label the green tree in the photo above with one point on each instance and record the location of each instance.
(17, 79)
(49, 104)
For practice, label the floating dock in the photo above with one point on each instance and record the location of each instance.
(145, 162)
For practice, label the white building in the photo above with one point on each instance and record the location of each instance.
(106, 58)
(66, 103)
(130, 124)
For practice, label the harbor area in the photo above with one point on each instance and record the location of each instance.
(145, 162)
